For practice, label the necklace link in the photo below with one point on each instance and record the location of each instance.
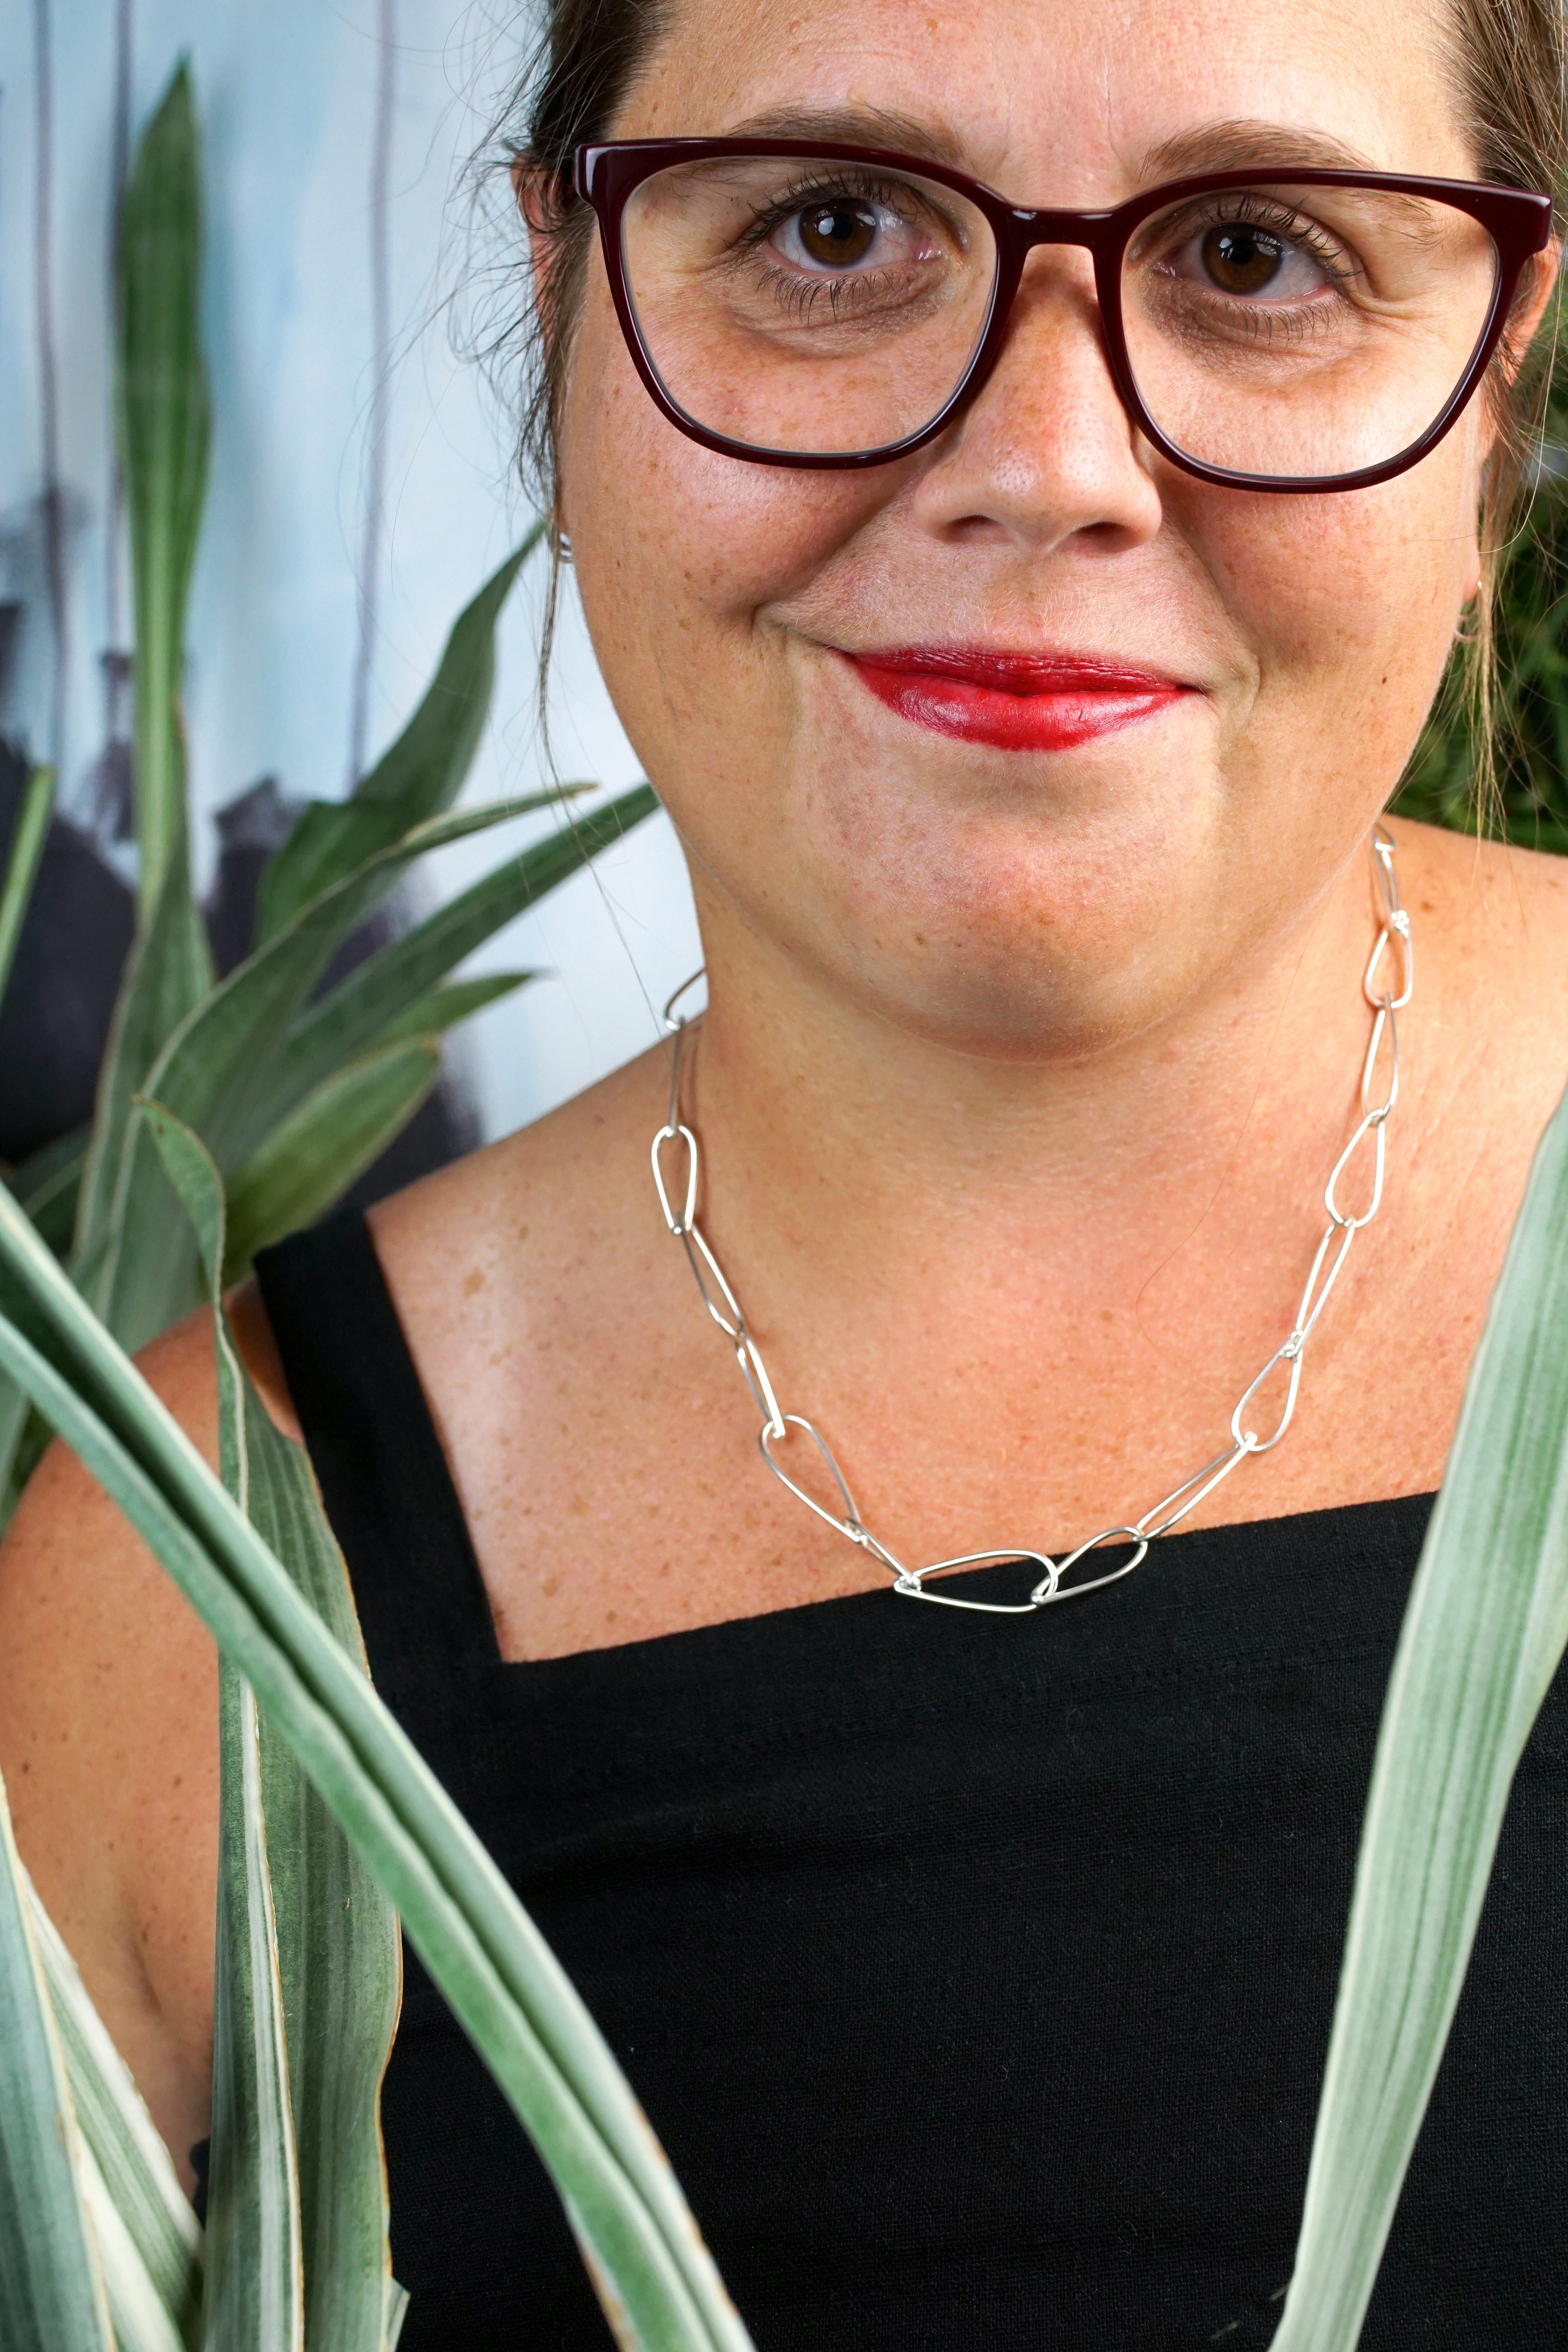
(1393, 939)
(680, 1226)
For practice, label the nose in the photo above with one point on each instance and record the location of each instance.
(1045, 453)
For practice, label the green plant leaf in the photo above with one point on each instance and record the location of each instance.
(310, 1160)
(421, 775)
(134, 2178)
(14, 1411)
(47, 1184)
(479, 1945)
(336, 1935)
(1484, 1631)
(167, 976)
(54, 2297)
(217, 1072)
(454, 1001)
(360, 1008)
(164, 425)
(165, 434)
(22, 860)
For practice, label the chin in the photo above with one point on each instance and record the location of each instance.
(1019, 957)
(1023, 903)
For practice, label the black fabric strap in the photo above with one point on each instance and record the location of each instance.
(429, 1634)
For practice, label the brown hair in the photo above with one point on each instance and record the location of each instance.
(1508, 58)
(586, 62)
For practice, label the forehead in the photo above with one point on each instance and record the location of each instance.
(1065, 101)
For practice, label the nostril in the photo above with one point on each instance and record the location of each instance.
(976, 530)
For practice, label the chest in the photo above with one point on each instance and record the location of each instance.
(618, 1493)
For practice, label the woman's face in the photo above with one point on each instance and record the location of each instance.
(1023, 903)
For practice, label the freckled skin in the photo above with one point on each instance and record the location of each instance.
(1022, 1073)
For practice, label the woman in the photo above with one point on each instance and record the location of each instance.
(977, 1969)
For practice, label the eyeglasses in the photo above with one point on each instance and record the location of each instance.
(817, 305)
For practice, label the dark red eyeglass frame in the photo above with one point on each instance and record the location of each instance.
(606, 176)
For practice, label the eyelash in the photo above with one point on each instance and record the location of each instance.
(1258, 212)
(803, 293)
(855, 187)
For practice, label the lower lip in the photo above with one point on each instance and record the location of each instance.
(1053, 716)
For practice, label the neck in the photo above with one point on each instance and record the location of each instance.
(851, 1162)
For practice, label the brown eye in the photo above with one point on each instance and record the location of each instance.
(1241, 261)
(837, 235)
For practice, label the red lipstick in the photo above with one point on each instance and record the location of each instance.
(1017, 702)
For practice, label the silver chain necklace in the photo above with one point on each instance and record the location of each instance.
(1394, 940)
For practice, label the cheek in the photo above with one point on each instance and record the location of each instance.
(677, 547)
(1348, 602)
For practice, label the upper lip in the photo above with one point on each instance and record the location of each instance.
(1036, 672)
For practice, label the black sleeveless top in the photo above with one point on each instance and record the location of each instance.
(976, 1972)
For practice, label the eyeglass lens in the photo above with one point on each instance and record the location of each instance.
(812, 307)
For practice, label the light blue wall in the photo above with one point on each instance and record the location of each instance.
(288, 92)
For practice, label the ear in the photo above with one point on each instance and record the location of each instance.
(539, 196)
(1535, 290)
(1536, 286)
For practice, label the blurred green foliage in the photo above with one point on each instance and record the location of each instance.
(1531, 705)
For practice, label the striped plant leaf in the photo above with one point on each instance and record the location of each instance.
(479, 1945)
(22, 861)
(51, 2281)
(131, 2164)
(337, 1936)
(1483, 1634)
(141, 2319)
(254, 2298)
(312, 1157)
(339, 1952)
(23, 855)
(419, 777)
(165, 435)
(359, 1010)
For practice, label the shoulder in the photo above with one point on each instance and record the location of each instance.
(1486, 900)
(523, 1232)
(91, 1629)
(1489, 923)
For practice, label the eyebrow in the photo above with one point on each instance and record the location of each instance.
(1241, 145)
(1237, 145)
(856, 126)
